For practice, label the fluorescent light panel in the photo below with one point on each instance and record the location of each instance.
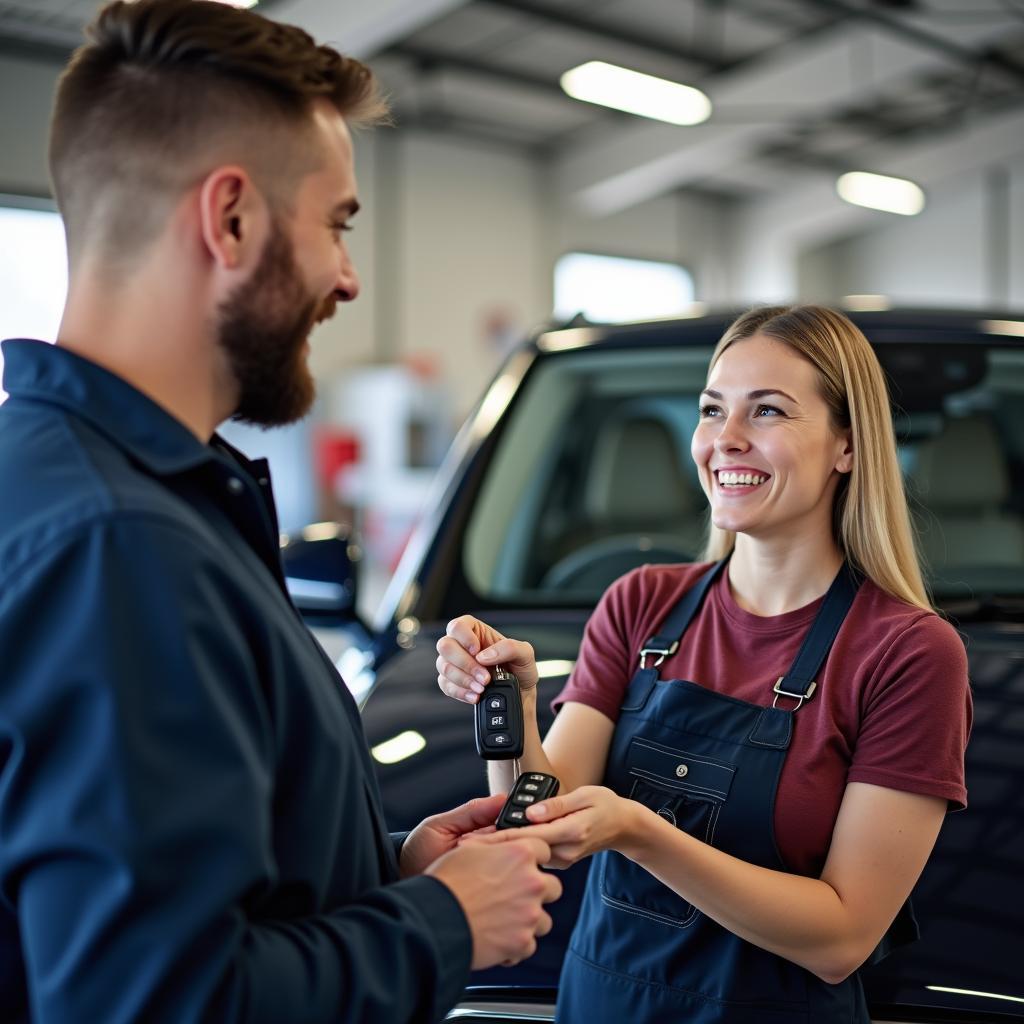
(1011, 328)
(880, 192)
(864, 303)
(399, 747)
(636, 93)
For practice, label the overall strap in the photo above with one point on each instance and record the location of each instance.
(666, 642)
(799, 682)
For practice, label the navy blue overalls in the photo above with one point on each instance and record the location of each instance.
(710, 764)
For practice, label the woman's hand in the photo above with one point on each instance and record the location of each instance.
(469, 649)
(581, 823)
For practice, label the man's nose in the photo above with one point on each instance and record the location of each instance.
(346, 288)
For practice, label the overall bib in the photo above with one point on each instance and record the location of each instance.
(710, 764)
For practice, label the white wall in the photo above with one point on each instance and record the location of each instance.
(453, 232)
(26, 94)
(966, 249)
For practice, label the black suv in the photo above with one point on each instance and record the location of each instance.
(574, 468)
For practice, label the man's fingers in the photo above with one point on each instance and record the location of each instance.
(481, 812)
(539, 850)
(552, 888)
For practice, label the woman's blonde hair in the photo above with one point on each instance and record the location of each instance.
(870, 518)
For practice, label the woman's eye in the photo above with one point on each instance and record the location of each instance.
(769, 409)
(706, 411)
(338, 227)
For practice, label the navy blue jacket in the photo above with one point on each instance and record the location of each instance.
(190, 828)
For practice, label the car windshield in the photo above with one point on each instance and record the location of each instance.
(592, 474)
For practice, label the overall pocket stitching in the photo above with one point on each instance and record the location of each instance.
(653, 915)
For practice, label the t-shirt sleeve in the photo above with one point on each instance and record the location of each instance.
(917, 715)
(606, 660)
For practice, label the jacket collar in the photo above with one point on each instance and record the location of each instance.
(39, 372)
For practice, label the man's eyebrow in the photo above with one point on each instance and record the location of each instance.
(759, 393)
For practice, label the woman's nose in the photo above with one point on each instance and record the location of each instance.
(731, 437)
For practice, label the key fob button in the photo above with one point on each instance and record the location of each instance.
(496, 702)
(523, 799)
(498, 740)
(497, 722)
(516, 815)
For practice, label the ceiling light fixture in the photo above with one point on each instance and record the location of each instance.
(867, 303)
(636, 93)
(399, 747)
(880, 192)
(1011, 328)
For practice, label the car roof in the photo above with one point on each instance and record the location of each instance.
(893, 326)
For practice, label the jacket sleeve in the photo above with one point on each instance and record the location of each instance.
(137, 770)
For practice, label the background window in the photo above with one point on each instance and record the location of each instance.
(33, 273)
(613, 289)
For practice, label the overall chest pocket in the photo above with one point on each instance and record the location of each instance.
(688, 790)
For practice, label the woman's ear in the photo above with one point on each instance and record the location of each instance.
(844, 464)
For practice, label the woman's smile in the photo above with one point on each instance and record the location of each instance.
(738, 481)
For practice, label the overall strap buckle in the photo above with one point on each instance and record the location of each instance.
(798, 697)
(662, 653)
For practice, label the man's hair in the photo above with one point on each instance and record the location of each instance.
(164, 91)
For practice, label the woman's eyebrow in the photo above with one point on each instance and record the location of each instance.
(759, 393)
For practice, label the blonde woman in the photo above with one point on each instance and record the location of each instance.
(760, 748)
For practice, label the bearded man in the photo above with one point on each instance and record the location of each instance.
(190, 828)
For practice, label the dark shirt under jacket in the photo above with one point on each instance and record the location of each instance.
(190, 828)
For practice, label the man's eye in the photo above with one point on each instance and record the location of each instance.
(337, 227)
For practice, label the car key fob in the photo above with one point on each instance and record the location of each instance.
(530, 788)
(498, 718)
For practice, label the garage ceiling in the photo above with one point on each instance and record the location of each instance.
(799, 87)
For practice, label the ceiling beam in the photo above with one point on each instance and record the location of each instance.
(362, 28)
(615, 171)
(905, 28)
(773, 231)
(586, 25)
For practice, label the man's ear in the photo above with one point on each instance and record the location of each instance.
(232, 216)
(844, 464)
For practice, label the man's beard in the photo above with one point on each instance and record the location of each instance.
(263, 328)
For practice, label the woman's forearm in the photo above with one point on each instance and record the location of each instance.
(801, 919)
(501, 774)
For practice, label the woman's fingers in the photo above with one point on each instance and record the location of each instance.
(517, 655)
(459, 674)
(469, 649)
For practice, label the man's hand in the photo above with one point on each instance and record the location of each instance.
(502, 891)
(440, 833)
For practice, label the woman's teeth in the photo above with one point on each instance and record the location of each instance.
(740, 479)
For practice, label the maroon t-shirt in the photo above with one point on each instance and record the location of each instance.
(892, 707)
